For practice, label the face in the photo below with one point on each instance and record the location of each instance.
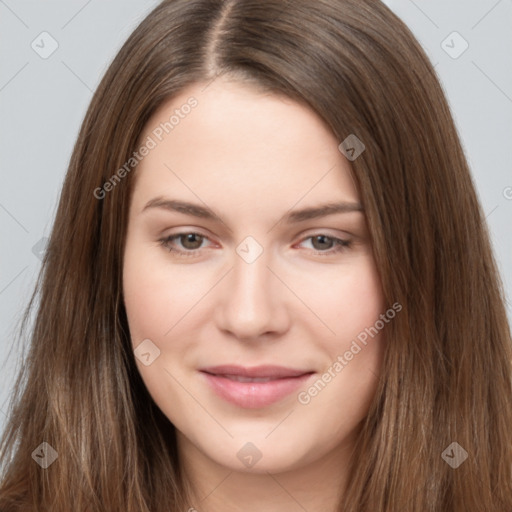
(249, 306)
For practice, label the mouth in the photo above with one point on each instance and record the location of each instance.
(254, 387)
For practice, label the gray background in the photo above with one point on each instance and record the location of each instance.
(43, 101)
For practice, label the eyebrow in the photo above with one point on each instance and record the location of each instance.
(291, 217)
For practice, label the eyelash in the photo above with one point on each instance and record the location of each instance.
(340, 245)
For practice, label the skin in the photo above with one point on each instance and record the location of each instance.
(252, 157)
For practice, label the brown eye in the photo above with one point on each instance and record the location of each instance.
(322, 242)
(191, 241)
(183, 243)
(327, 245)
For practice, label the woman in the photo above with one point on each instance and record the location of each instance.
(198, 347)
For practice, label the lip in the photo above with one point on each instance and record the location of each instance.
(236, 384)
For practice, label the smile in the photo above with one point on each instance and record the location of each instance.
(254, 388)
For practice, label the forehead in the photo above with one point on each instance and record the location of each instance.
(243, 145)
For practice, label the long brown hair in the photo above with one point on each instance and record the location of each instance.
(446, 374)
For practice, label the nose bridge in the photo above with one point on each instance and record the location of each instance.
(251, 278)
(252, 303)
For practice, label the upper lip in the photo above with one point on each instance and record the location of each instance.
(263, 371)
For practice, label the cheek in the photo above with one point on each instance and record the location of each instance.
(343, 393)
(152, 308)
(352, 300)
(155, 295)
(352, 308)
(142, 296)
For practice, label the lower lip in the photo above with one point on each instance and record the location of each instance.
(254, 395)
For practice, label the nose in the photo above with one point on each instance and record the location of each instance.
(253, 302)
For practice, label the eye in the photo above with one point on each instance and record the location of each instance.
(327, 245)
(190, 242)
